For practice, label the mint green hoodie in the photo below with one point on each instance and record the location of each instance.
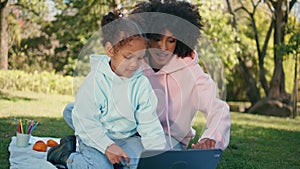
(111, 107)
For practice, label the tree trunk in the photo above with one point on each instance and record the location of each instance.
(252, 91)
(295, 88)
(277, 87)
(4, 35)
(261, 58)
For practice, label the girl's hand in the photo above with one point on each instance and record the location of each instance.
(205, 143)
(115, 154)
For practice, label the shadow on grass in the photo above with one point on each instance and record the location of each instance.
(48, 127)
(6, 96)
(261, 148)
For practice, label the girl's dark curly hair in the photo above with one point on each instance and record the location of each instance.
(185, 11)
(118, 30)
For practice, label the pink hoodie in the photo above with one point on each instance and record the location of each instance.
(183, 89)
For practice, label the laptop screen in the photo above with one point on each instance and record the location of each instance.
(180, 159)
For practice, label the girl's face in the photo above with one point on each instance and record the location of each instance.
(161, 50)
(126, 60)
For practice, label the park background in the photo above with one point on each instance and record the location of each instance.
(257, 42)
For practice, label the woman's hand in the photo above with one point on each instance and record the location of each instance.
(205, 143)
(115, 154)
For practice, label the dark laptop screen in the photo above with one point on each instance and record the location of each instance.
(178, 159)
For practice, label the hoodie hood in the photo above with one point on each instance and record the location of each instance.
(175, 64)
(100, 63)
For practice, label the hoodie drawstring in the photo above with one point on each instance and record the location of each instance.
(167, 111)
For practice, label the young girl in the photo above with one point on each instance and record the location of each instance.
(182, 87)
(114, 103)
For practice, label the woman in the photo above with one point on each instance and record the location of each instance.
(182, 87)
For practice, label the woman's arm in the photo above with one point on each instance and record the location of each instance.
(216, 111)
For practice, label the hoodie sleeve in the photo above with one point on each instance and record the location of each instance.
(215, 110)
(86, 115)
(148, 124)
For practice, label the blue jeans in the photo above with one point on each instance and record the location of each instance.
(67, 113)
(88, 157)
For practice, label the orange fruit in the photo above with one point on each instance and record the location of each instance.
(40, 145)
(51, 143)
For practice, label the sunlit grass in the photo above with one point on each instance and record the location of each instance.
(288, 124)
(32, 104)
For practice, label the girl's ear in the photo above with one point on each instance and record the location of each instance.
(109, 49)
(192, 55)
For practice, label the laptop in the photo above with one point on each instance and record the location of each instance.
(180, 159)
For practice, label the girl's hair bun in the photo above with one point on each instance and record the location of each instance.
(109, 18)
(118, 30)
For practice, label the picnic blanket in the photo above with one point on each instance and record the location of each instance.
(26, 158)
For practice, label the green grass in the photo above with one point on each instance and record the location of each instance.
(260, 142)
(32, 104)
(259, 147)
(257, 142)
(43, 108)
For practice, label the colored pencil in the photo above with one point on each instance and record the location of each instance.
(30, 127)
(33, 127)
(22, 131)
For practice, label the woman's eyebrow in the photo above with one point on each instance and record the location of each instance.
(171, 37)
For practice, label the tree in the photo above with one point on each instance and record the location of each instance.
(53, 43)
(252, 90)
(32, 11)
(4, 34)
(278, 100)
(74, 24)
(280, 10)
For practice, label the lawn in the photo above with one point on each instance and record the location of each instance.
(257, 142)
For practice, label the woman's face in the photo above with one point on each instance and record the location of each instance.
(129, 57)
(161, 49)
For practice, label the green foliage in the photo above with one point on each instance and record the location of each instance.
(76, 22)
(217, 47)
(33, 10)
(219, 32)
(293, 45)
(29, 47)
(44, 82)
(291, 53)
(49, 36)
